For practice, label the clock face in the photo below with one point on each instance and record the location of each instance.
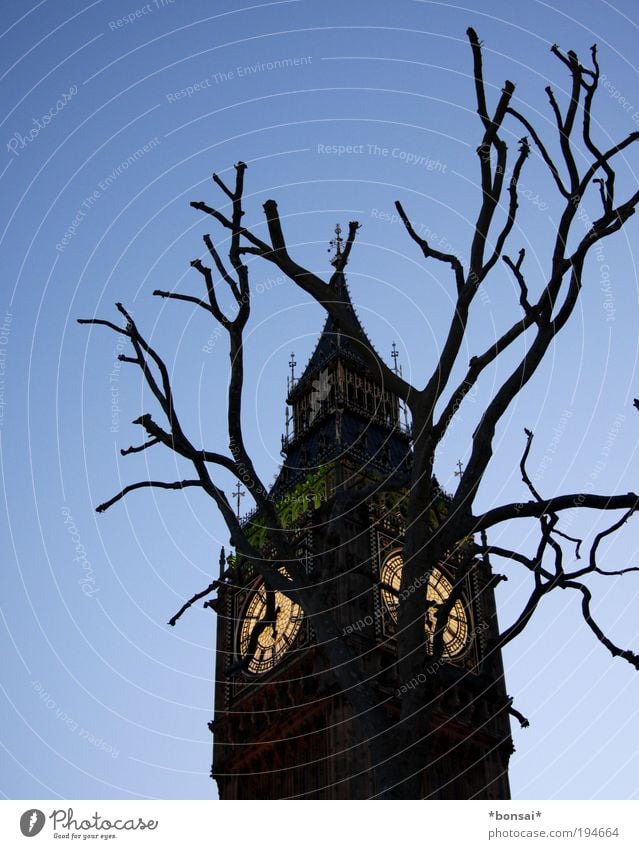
(456, 636)
(279, 620)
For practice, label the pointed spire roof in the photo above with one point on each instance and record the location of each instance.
(332, 340)
(347, 425)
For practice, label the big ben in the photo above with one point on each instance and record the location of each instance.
(282, 727)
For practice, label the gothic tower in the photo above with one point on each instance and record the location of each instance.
(281, 727)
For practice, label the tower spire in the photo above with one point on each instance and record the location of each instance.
(398, 371)
(394, 355)
(336, 245)
(238, 493)
(291, 364)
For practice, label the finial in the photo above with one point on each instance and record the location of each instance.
(291, 380)
(336, 244)
(394, 355)
(460, 469)
(398, 371)
(238, 492)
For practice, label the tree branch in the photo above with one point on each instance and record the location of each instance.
(164, 395)
(341, 261)
(323, 293)
(136, 449)
(211, 587)
(142, 485)
(124, 331)
(614, 650)
(515, 267)
(522, 465)
(542, 150)
(566, 125)
(429, 252)
(225, 222)
(535, 509)
(205, 271)
(524, 151)
(217, 259)
(480, 93)
(491, 187)
(188, 298)
(218, 180)
(185, 450)
(592, 560)
(475, 367)
(607, 186)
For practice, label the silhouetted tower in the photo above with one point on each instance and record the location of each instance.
(282, 728)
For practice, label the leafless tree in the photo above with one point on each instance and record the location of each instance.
(545, 310)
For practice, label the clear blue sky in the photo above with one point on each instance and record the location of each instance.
(114, 115)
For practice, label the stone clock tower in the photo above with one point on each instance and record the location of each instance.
(281, 727)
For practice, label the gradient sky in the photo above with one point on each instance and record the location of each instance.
(101, 699)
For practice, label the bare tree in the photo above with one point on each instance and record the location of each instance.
(399, 753)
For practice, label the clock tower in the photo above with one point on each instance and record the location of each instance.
(282, 727)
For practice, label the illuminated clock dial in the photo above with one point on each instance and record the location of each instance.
(456, 636)
(269, 625)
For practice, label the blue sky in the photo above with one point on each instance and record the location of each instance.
(114, 115)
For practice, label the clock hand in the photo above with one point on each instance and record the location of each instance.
(277, 613)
